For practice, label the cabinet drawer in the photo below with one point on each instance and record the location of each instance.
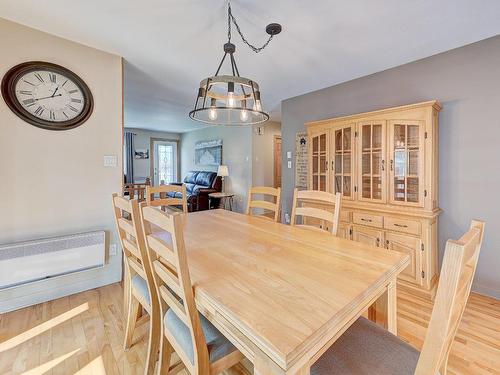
(402, 225)
(367, 219)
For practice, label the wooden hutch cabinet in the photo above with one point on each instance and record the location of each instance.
(385, 165)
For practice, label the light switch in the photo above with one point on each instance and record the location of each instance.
(289, 164)
(289, 155)
(110, 160)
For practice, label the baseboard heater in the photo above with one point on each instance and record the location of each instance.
(27, 262)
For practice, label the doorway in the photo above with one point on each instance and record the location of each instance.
(164, 163)
(277, 161)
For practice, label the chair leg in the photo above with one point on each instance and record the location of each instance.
(165, 355)
(155, 334)
(133, 308)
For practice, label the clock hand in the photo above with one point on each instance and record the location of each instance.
(49, 97)
(57, 88)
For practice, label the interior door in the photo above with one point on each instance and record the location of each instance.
(406, 164)
(165, 162)
(371, 161)
(343, 163)
(411, 246)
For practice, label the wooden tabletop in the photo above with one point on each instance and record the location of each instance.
(277, 289)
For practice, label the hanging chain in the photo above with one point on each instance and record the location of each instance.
(230, 18)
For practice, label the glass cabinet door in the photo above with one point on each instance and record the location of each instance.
(371, 162)
(319, 161)
(406, 152)
(342, 161)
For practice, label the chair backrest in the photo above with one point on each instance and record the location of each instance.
(455, 281)
(317, 198)
(164, 199)
(129, 225)
(274, 206)
(173, 283)
(137, 191)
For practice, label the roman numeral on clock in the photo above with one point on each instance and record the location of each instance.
(76, 100)
(72, 91)
(24, 92)
(29, 102)
(52, 115)
(37, 75)
(72, 108)
(39, 111)
(52, 77)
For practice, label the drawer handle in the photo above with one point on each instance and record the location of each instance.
(401, 225)
(368, 220)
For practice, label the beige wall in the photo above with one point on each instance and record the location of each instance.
(54, 183)
(263, 154)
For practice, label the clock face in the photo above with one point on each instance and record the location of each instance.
(47, 95)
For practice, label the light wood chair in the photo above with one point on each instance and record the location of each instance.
(168, 196)
(328, 221)
(200, 346)
(139, 284)
(137, 191)
(273, 207)
(366, 348)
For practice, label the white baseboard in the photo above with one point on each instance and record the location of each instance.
(60, 286)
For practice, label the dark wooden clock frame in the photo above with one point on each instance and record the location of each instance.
(9, 94)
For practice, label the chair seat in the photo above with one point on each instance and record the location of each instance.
(141, 286)
(218, 345)
(367, 348)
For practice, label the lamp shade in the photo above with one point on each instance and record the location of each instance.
(222, 171)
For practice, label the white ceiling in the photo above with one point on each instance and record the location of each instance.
(170, 45)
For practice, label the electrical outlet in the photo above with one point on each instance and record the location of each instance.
(289, 154)
(289, 164)
(287, 218)
(113, 249)
(110, 160)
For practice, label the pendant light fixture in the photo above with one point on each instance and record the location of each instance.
(232, 99)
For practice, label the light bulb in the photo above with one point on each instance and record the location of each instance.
(230, 94)
(244, 115)
(230, 99)
(212, 112)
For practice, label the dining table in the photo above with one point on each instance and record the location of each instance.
(283, 294)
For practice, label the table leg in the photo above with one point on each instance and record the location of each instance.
(384, 310)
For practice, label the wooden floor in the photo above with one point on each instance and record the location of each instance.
(83, 334)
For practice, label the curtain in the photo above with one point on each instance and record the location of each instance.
(129, 157)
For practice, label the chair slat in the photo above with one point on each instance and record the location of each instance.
(168, 277)
(263, 204)
(265, 190)
(162, 249)
(131, 247)
(156, 217)
(133, 263)
(316, 195)
(316, 213)
(174, 304)
(164, 199)
(127, 226)
(122, 203)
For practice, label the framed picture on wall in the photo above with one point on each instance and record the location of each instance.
(208, 152)
(141, 153)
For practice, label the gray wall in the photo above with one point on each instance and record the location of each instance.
(467, 83)
(142, 140)
(236, 154)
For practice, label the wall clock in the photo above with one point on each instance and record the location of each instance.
(47, 95)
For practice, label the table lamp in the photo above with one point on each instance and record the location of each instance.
(223, 172)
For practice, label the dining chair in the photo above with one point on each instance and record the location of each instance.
(168, 196)
(328, 221)
(136, 190)
(201, 348)
(139, 284)
(367, 348)
(273, 207)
